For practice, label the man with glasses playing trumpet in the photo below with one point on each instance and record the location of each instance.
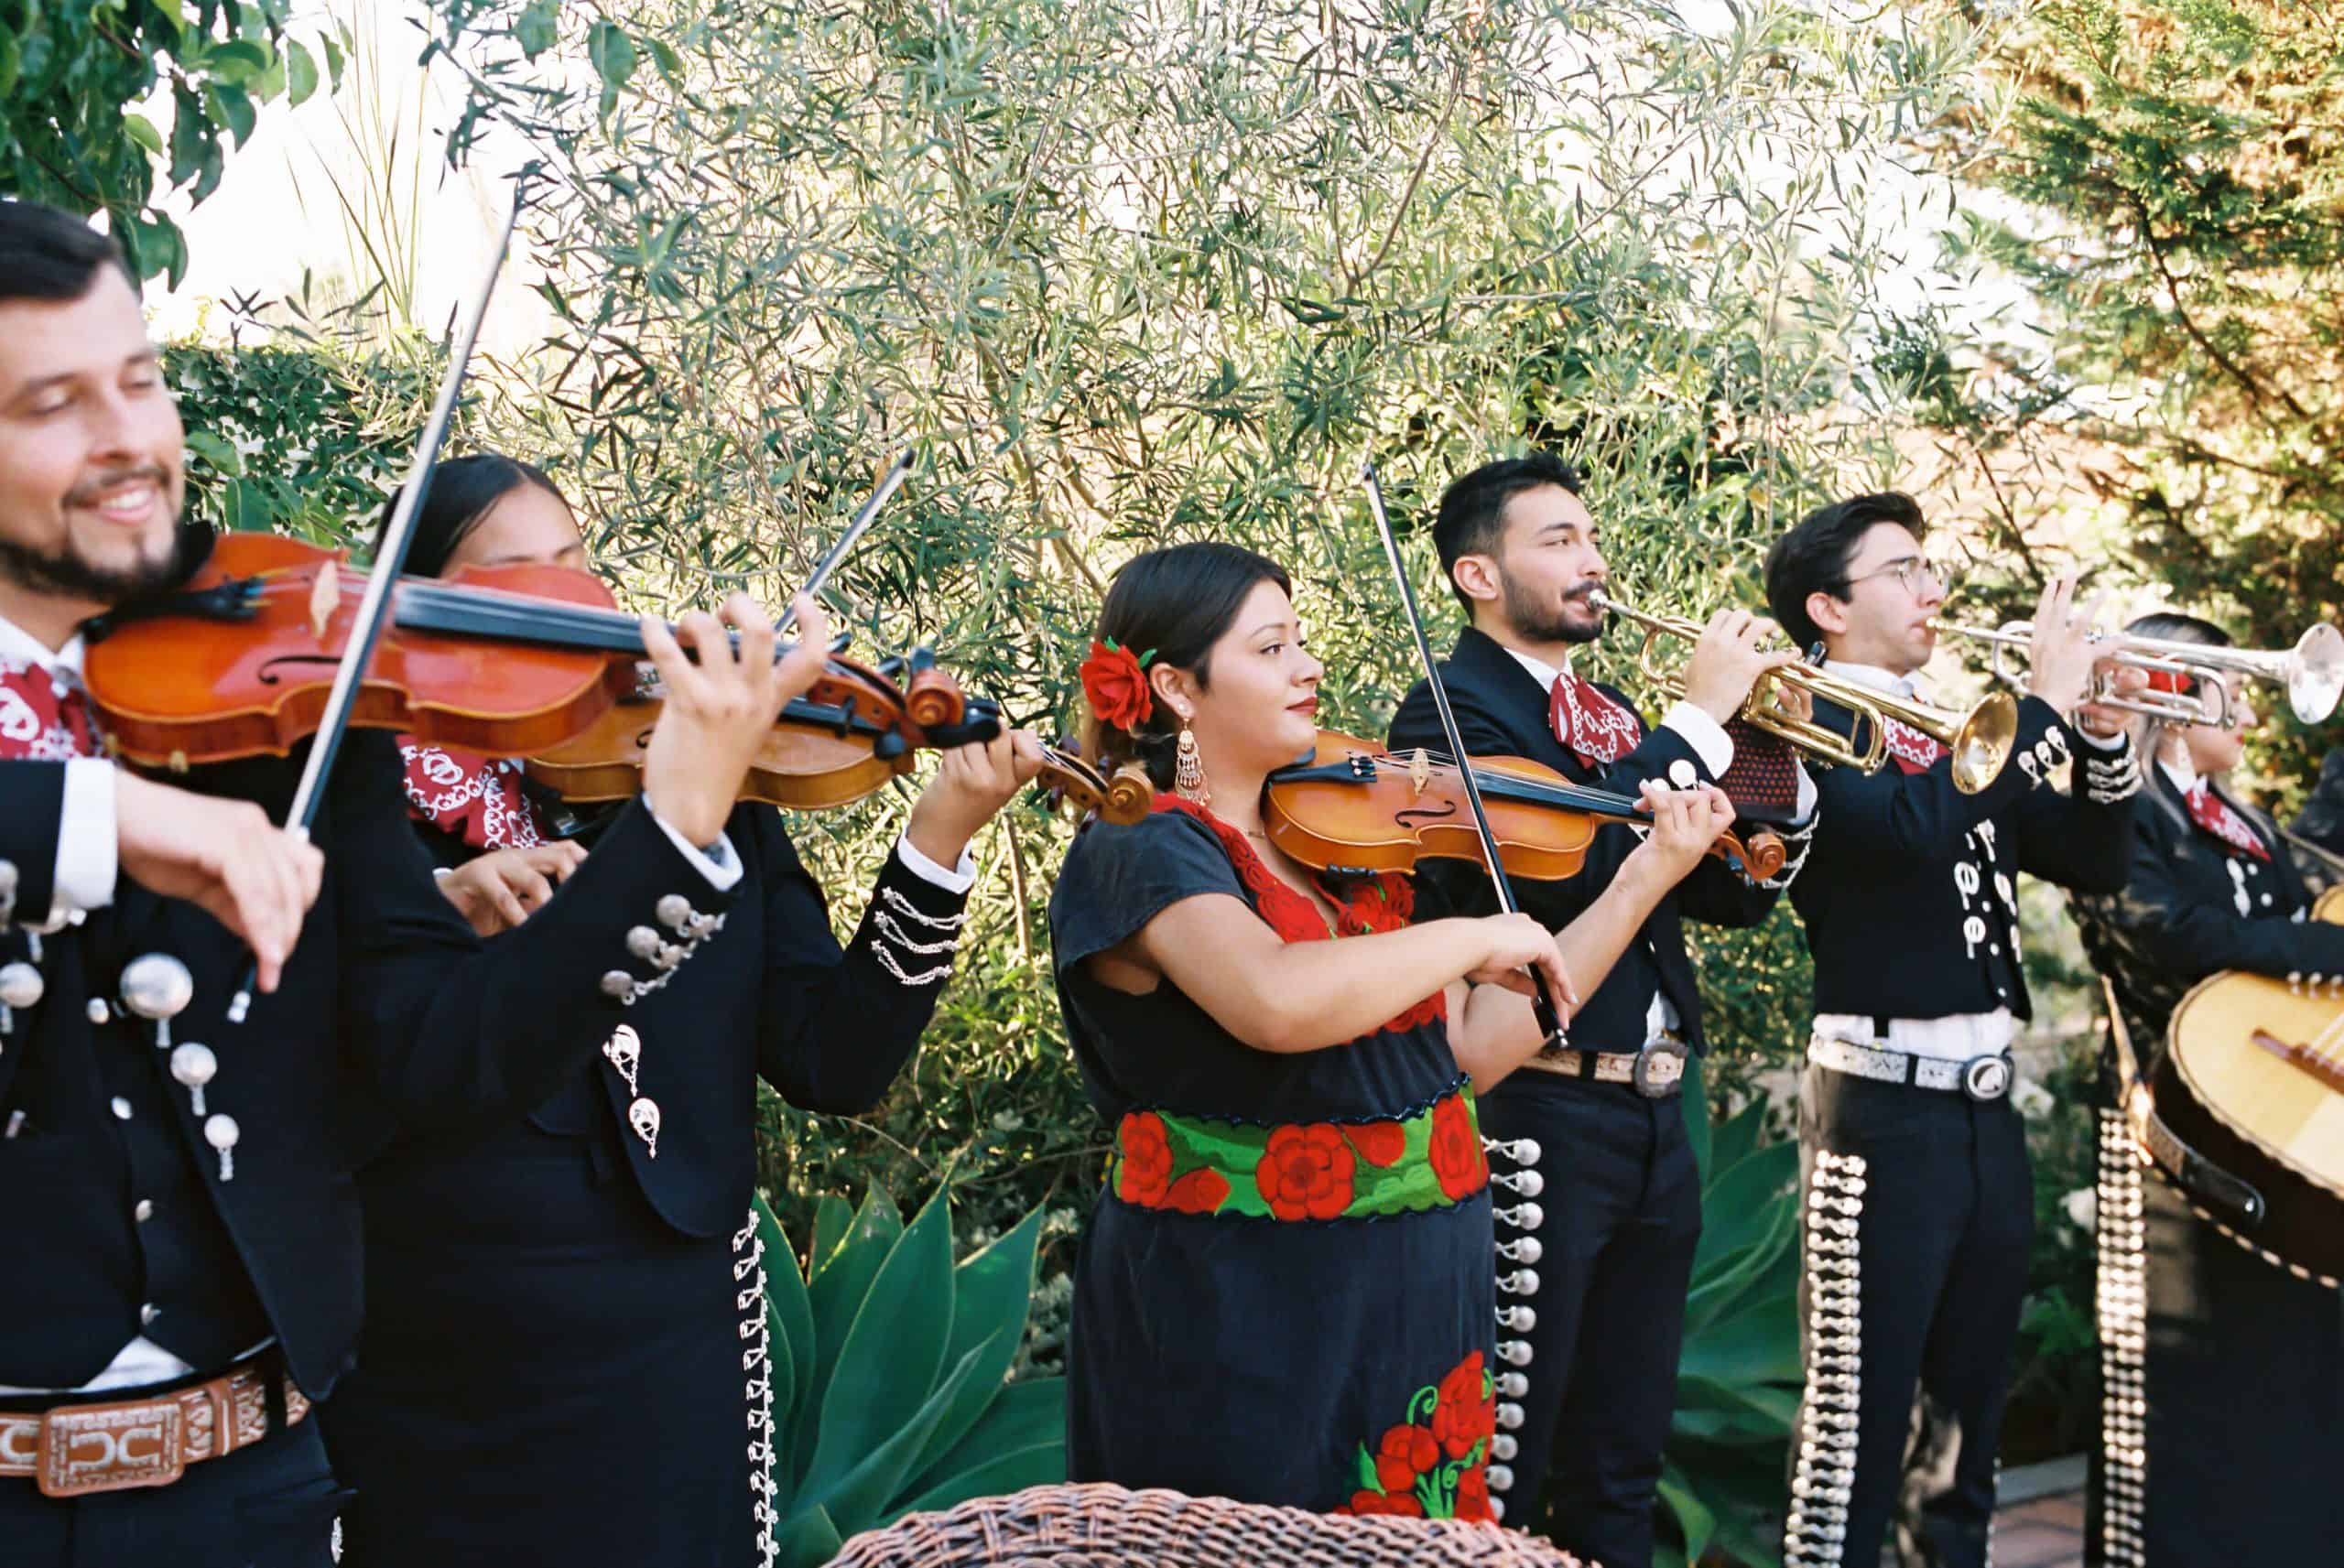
(1919, 1197)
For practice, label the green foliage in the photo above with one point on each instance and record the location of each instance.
(74, 83)
(889, 1364)
(2172, 199)
(1739, 1376)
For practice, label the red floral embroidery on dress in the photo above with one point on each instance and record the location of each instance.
(1201, 1190)
(1306, 1172)
(1378, 1142)
(1384, 903)
(1455, 1149)
(1145, 1170)
(1436, 1464)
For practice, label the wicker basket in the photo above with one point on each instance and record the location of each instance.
(1107, 1527)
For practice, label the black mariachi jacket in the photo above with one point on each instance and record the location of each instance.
(1909, 895)
(769, 996)
(388, 1005)
(2192, 907)
(1503, 712)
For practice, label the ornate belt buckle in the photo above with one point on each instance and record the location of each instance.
(1660, 1069)
(111, 1448)
(1986, 1077)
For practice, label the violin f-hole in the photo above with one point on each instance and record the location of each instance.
(1414, 814)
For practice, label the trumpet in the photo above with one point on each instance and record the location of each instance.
(2311, 672)
(1979, 740)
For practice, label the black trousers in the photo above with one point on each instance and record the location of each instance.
(269, 1506)
(2224, 1389)
(1920, 1209)
(1621, 1205)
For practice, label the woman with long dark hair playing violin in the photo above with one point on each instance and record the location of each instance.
(1285, 1295)
(564, 1297)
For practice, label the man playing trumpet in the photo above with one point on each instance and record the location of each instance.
(1919, 1197)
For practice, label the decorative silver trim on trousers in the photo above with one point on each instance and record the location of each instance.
(1824, 1477)
(2120, 1241)
(1513, 1386)
(756, 1361)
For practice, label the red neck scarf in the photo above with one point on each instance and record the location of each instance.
(2212, 812)
(44, 717)
(475, 799)
(1591, 727)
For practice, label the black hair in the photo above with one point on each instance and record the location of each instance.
(1813, 557)
(462, 492)
(51, 255)
(1178, 603)
(1472, 511)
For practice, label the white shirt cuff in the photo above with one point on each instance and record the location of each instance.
(1704, 734)
(1808, 797)
(958, 880)
(718, 863)
(87, 862)
(2098, 743)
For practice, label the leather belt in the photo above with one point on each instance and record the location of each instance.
(109, 1447)
(1982, 1079)
(1657, 1071)
(2241, 1203)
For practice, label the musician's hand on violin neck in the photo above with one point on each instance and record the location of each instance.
(223, 855)
(1519, 944)
(1728, 660)
(1685, 823)
(719, 709)
(497, 891)
(974, 782)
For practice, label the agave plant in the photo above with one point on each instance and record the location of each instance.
(1739, 1374)
(889, 1364)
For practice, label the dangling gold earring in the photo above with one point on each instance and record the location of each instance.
(1188, 771)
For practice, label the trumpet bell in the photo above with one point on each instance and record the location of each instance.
(2316, 674)
(1982, 746)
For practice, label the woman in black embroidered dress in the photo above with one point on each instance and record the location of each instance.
(2223, 1451)
(1285, 1295)
(565, 1298)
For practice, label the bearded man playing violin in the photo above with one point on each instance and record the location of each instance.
(180, 1235)
(568, 1289)
(1592, 1137)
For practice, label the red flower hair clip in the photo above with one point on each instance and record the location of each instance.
(1114, 680)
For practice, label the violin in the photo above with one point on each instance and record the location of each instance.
(1352, 807)
(829, 748)
(508, 661)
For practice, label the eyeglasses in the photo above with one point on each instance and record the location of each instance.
(1909, 571)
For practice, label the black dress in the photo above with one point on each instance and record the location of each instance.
(552, 1370)
(1285, 1295)
(2227, 1456)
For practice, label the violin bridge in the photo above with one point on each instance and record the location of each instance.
(1419, 770)
(325, 598)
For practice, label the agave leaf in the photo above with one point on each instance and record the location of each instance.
(1756, 1343)
(1020, 1416)
(992, 1291)
(1693, 1516)
(833, 1296)
(834, 1217)
(793, 1314)
(1736, 1138)
(1693, 1100)
(1734, 1276)
(856, 1498)
(886, 1369)
(1043, 1464)
(783, 1370)
(1736, 1207)
(806, 1539)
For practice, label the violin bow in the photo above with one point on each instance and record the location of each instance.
(889, 483)
(375, 605)
(1550, 1019)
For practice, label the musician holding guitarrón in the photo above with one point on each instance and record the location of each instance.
(178, 1236)
(2223, 1420)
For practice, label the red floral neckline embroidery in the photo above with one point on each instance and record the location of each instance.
(1381, 902)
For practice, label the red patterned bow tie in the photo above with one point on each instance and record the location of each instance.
(1591, 727)
(44, 717)
(478, 799)
(2212, 812)
(1913, 751)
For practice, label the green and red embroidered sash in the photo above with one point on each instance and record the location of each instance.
(1305, 1171)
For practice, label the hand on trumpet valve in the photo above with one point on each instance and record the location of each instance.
(2059, 653)
(1727, 661)
(2111, 681)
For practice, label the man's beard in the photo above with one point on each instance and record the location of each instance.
(66, 573)
(1537, 619)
